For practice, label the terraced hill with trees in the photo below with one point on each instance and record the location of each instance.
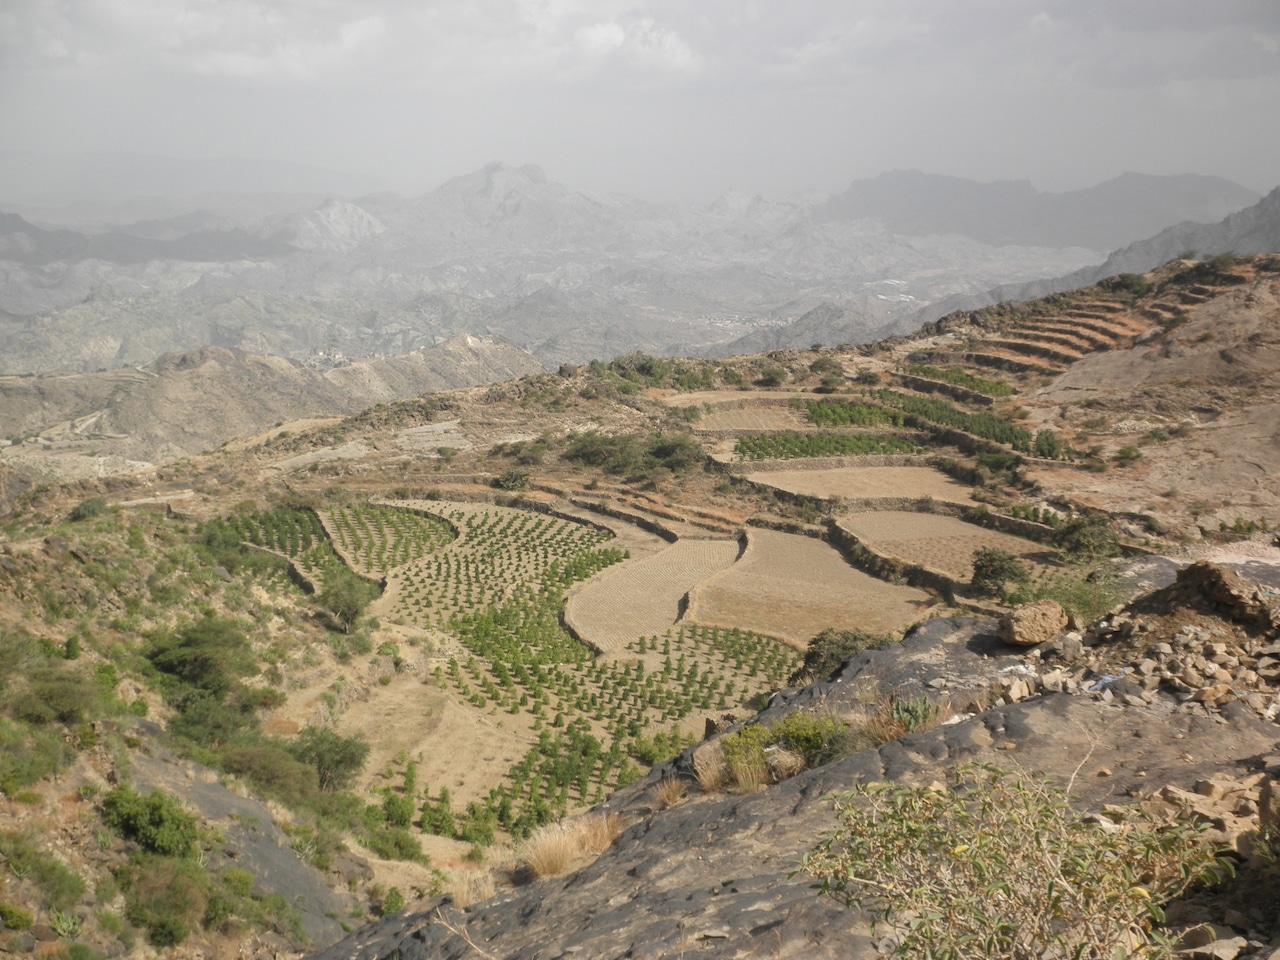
(375, 668)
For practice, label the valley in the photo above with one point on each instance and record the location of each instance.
(405, 642)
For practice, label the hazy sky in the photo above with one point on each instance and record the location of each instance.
(669, 99)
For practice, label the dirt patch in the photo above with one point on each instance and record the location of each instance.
(755, 419)
(792, 587)
(860, 483)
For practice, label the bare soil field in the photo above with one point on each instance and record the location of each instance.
(944, 544)
(859, 483)
(642, 598)
(755, 419)
(792, 587)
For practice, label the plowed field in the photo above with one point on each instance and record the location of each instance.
(944, 544)
(792, 587)
(641, 598)
(858, 483)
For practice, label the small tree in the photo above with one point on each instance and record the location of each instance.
(994, 568)
(338, 760)
(345, 596)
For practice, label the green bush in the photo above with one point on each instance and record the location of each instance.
(14, 918)
(819, 738)
(829, 650)
(1000, 867)
(398, 810)
(1087, 539)
(156, 822)
(87, 509)
(345, 595)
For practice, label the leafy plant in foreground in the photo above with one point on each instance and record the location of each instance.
(1000, 866)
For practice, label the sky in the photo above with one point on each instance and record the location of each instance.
(663, 99)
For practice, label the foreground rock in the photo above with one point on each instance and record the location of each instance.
(1033, 623)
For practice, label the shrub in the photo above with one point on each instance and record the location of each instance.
(993, 568)
(156, 822)
(394, 843)
(819, 738)
(512, 480)
(60, 887)
(14, 918)
(398, 810)
(744, 757)
(27, 755)
(167, 897)
(393, 902)
(87, 509)
(1087, 539)
(829, 650)
(1003, 867)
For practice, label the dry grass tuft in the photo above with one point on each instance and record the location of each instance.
(598, 831)
(710, 769)
(466, 890)
(552, 848)
(784, 764)
(670, 791)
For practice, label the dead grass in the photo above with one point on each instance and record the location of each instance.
(466, 890)
(710, 769)
(554, 847)
(671, 790)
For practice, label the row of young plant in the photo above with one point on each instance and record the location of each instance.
(499, 549)
(795, 445)
(596, 718)
(962, 378)
(380, 538)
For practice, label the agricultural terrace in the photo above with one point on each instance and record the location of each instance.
(375, 539)
(943, 544)
(497, 550)
(642, 597)
(753, 419)
(862, 483)
(793, 587)
(592, 718)
(293, 532)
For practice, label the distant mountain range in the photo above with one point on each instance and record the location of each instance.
(1011, 212)
(185, 403)
(1253, 230)
(569, 276)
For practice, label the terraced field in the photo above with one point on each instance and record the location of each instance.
(943, 544)
(375, 538)
(642, 597)
(792, 587)
(859, 483)
(754, 419)
(497, 550)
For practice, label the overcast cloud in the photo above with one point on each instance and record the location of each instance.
(665, 99)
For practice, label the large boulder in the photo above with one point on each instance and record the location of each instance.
(1032, 623)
